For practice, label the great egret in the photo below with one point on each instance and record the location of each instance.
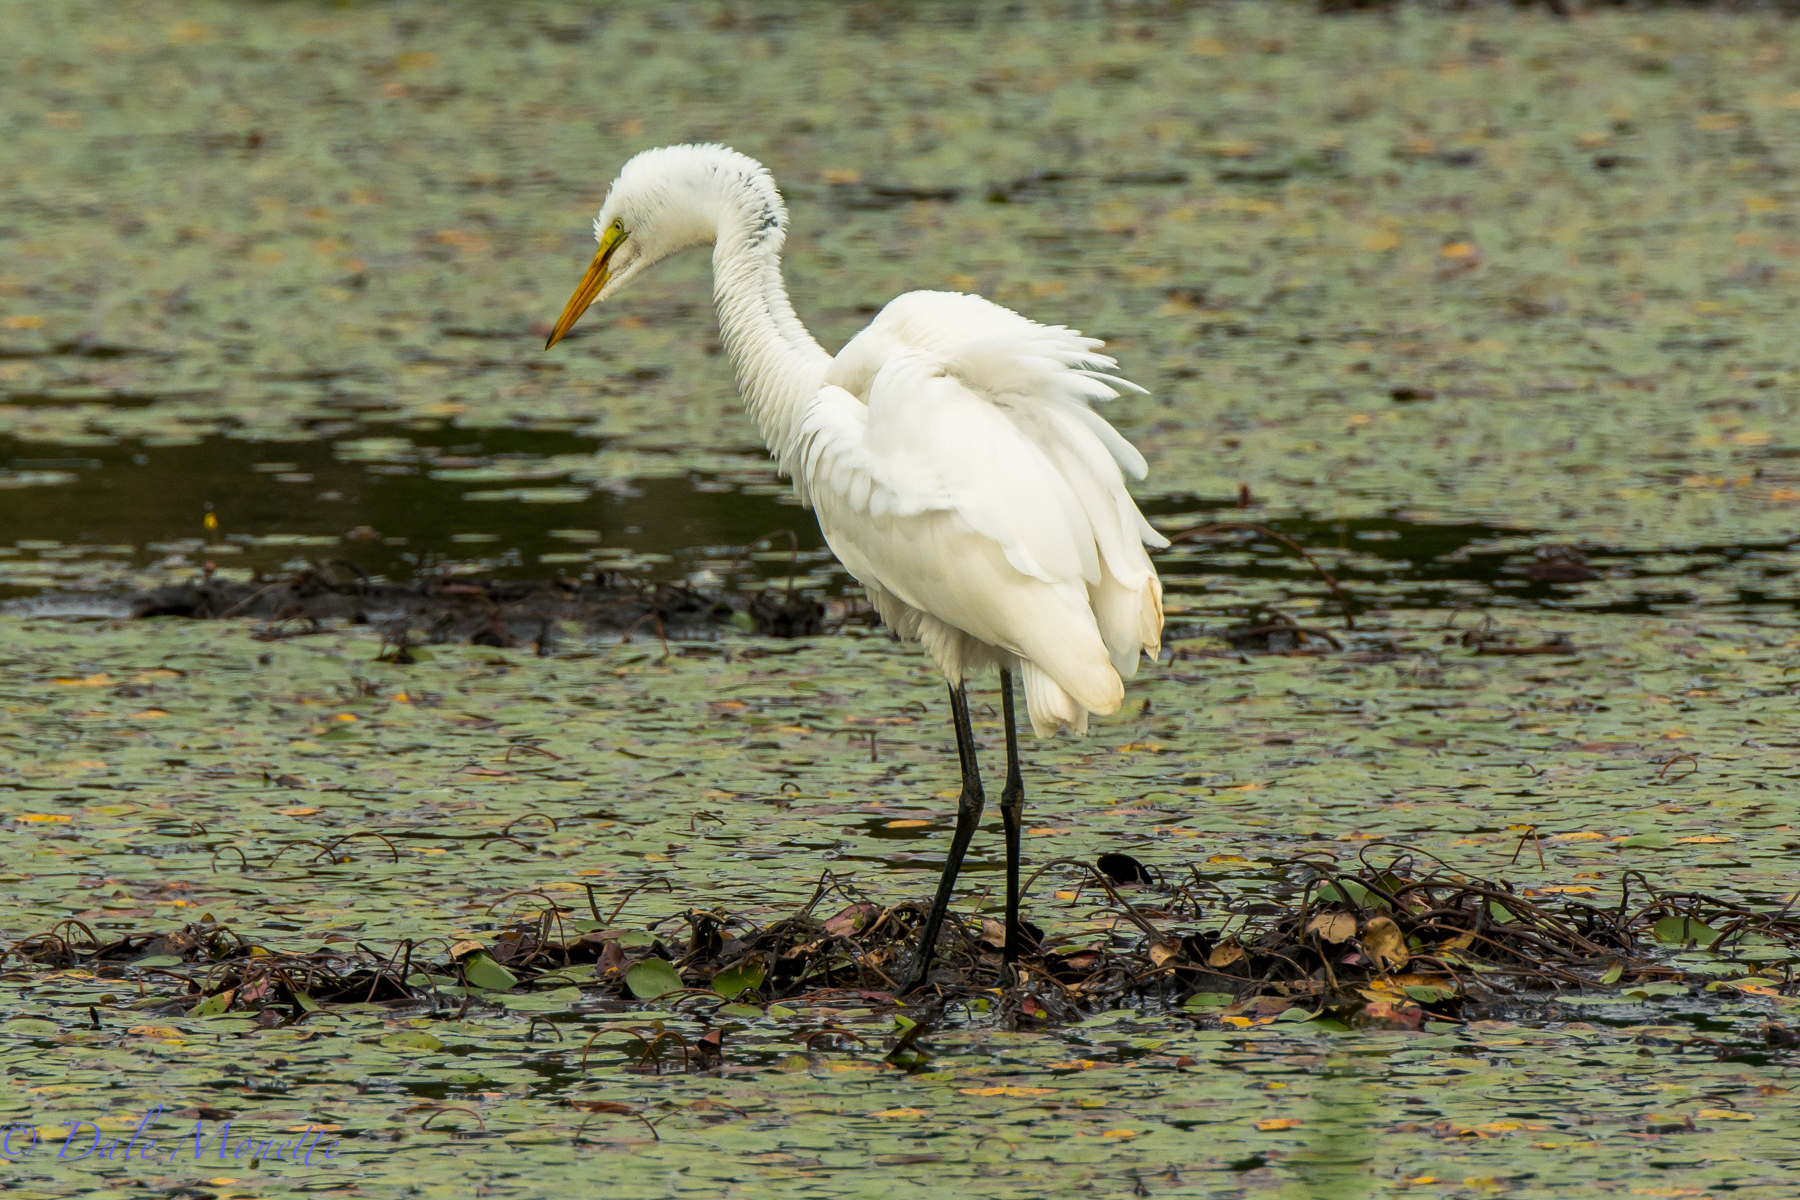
(951, 455)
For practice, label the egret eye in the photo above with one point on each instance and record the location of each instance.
(618, 226)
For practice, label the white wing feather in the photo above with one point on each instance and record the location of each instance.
(957, 468)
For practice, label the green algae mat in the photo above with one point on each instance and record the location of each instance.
(1438, 289)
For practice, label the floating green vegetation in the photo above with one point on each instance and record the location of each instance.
(1499, 267)
(477, 808)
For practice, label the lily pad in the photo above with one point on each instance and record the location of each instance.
(652, 977)
(1680, 931)
(483, 972)
(735, 980)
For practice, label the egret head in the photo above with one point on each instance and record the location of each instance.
(668, 200)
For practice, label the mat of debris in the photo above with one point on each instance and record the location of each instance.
(432, 611)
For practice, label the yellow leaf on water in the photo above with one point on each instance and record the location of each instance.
(301, 811)
(149, 714)
(841, 175)
(22, 322)
(1333, 926)
(1006, 1091)
(902, 1114)
(1161, 952)
(101, 680)
(462, 239)
(1385, 943)
(1704, 840)
(36, 818)
(1458, 250)
(1724, 1114)
(1120, 1133)
(1274, 1123)
(1381, 242)
(909, 823)
(1751, 989)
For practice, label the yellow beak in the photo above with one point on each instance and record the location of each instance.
(590, 285)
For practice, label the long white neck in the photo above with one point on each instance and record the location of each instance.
(778, 364)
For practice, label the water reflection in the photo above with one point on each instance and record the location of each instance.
(401, 501)
(400, 515)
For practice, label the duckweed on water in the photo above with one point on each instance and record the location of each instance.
(321, 803)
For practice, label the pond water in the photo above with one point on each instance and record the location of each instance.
(124, 514)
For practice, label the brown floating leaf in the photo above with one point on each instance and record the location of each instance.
(851, 920)
(611, 963)
(1162, 952)
(1224, 956)
(1122, 868)
(1386, 944)
(1333, 926)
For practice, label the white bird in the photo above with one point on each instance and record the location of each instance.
(951, 454)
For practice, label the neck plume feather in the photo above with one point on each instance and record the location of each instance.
(779, 366)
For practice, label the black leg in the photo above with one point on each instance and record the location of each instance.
(968, 816)
(1012, 812)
